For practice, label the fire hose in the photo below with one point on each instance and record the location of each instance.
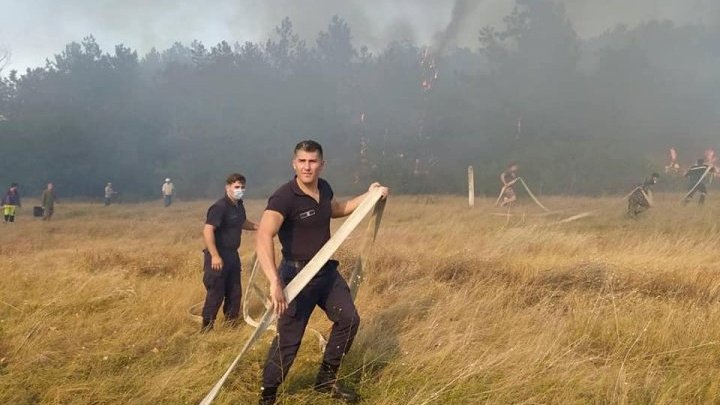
(372, 203)
(530, 193)
(692, 190)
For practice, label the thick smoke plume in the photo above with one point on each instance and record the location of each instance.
(462, 9)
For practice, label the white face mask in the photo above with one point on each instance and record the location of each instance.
(238, 193)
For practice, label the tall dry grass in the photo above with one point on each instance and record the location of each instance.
(460, 307)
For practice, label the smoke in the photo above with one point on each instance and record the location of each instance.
(461, 10)
(38, 29)
(399, 30)
(591, 18)
(5, 55)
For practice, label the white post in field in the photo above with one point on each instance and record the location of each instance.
(471, 187)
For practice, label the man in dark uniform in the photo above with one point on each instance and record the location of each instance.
(697, 175)
(640, 199)
(223, 228)
(299, 213)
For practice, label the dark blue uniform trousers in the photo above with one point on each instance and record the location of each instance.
(329, 291)
(222, 286)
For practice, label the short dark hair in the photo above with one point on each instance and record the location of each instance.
(13, 185)
(309, 146)
(233, 177)
(700, 161)
(655, 174)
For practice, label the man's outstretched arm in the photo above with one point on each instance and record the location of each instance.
(345, 208)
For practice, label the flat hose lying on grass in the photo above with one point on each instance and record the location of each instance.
(544, 208)
(539, 204)
(196, 308)
(646, 196)
(372, 203)
(530, 193)
(586, 214)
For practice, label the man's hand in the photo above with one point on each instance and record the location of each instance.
(384, 190)
(216, 263)
(277, 298)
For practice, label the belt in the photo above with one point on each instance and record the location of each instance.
(298, 264)
(223, 249)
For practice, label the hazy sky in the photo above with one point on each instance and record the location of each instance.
(37, 29)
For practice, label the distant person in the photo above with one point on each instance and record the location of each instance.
(168, 188)
(11, 202)
(698, 175)
(48, 200)
(640, 199)
(673, 167)
(508, 179)
(222, 233)
(109, 194)
(299, 213)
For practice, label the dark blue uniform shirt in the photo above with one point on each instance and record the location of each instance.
(306, 223)
(228, 219)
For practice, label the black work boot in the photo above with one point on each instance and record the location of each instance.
(268, 396)
(207, 325)
(326, 382)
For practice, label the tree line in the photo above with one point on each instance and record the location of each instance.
(581, 116)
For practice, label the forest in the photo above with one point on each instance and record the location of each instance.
(582, 116)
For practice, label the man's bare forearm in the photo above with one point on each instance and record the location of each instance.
(346, 208)
(266, 257)
(209, 239)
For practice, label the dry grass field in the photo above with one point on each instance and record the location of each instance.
(460, 307)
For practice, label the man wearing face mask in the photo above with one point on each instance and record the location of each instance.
(223, 227)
